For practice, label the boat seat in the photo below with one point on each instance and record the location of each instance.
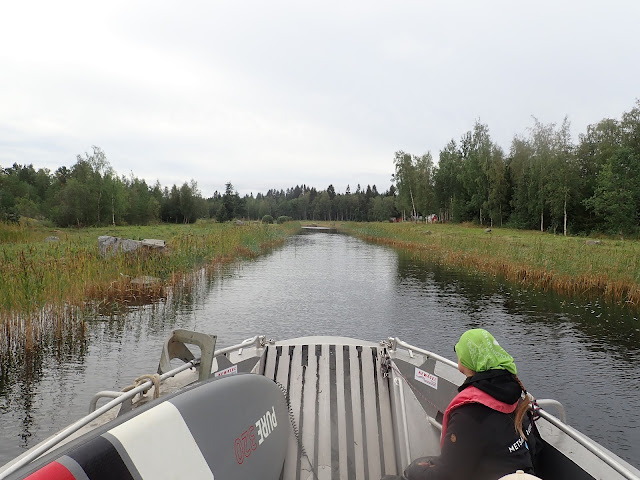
(340, 406)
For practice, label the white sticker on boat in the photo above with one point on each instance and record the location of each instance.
(227, 371)
(426, 378)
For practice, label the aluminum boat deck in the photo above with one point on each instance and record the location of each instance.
(341, 404)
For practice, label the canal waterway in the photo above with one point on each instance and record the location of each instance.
(583, 353)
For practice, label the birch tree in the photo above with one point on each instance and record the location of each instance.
(405, 181)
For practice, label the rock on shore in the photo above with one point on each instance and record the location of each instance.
(109, 246)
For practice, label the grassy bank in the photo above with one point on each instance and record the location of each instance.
(50, 276)
(606, 268)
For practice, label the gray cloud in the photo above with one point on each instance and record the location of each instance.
(273, 94)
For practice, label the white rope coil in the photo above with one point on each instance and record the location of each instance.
(155, 378)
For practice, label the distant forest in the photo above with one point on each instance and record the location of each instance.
(545, 181)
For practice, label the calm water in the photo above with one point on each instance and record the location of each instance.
(583, 354)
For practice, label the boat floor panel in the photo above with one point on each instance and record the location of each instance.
(341, 408)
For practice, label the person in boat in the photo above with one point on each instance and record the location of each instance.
(487, 430)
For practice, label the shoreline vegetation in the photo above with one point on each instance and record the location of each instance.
(53, 283)
(587, 267)
(49, 287)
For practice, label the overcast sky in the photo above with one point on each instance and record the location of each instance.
(270, 94)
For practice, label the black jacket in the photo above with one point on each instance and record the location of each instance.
(481, 443)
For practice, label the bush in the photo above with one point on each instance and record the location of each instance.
(267, 219)
(284, 218)
(10, 215)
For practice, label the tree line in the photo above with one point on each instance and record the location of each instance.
(545, 181)
(90, 193)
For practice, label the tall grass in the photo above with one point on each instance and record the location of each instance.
(570, 265)
(48, 282)
(19, 233)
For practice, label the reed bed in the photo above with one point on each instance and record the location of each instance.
(604, 268)
(45, 284)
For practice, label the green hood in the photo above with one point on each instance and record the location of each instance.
(479, 351)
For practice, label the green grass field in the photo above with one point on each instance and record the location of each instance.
(575, 265)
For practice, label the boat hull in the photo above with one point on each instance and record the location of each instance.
(300, 409)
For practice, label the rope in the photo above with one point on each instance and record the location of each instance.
(142, 379)
(295, 428)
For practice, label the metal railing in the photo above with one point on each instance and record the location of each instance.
(394, 342)
(545, 403)
(590, 445)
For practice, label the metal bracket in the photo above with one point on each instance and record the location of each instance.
(175, 347)
(547, 402)
(125, 406)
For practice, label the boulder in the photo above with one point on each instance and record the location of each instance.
(53, 238)
(109, 246)
(153, 243)
(145, 281)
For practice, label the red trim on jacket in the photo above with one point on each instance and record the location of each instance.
(472, 394)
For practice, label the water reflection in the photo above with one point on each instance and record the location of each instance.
(584, 354)
(23, 367)
(616, 328)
